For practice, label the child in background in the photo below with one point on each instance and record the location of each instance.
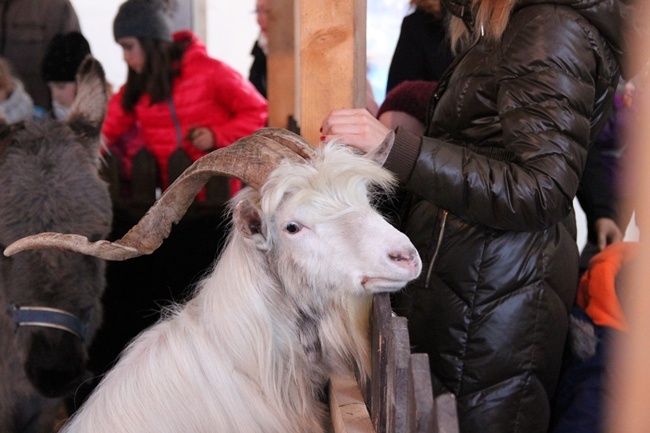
(597, 319)
(15, 103)
(62, 59)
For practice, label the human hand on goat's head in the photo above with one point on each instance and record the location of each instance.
(355, 127)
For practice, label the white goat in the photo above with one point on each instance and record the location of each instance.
(285, 306)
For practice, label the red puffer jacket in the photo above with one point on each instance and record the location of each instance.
(207, 93)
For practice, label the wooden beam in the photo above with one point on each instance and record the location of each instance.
(281, 64)
(348, 411)
(332, 60)
(198, 17)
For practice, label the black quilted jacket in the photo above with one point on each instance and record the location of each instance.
(492, 186)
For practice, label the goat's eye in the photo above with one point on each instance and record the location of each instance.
(293, 227)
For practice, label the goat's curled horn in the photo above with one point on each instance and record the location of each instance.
(250, 159)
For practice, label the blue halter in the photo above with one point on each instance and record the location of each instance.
(49, 318)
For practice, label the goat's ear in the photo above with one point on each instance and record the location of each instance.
(248, 221)
(380, 154)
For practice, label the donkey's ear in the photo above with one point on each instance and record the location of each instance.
(89, 107)
(249, 222)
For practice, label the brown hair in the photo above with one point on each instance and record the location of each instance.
(491, 19)
(162, 65)
(431, 6)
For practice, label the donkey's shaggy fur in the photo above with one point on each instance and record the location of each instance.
(285, 306)
(50, 182)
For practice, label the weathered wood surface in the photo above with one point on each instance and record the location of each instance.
(347, 407)
(331, 39)
(281, 64)
(400, 396)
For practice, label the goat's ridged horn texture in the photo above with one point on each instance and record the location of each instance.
(290, 140)
(250, 159)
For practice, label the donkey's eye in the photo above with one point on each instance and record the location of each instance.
(293, 227)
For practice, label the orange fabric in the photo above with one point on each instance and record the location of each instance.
(597, 289)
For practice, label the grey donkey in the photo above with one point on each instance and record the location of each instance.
(50, 300)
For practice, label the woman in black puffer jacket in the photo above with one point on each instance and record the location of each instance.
(492, 185)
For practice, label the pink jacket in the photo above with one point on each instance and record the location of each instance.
(207, 93)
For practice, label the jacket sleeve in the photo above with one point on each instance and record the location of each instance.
(595, 193)
(545, 101)
(117, 121)
(247, 107)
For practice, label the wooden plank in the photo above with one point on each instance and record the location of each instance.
(198, 17)
(332, 61)
(281, 63)
(399, 354)
(421, 403)
(446, 414)
(380, 325)
(348, 410)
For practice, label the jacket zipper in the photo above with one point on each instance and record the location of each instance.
(435, 253)
(435, 98)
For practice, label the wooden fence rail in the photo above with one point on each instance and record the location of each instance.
(399, 398)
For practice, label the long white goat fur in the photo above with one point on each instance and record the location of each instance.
(253, 348)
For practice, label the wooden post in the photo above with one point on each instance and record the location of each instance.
(281, 63)
(198, 14)
(628, 379)
(332, 61)
(348, 411)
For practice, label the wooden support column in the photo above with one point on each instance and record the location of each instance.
(198, 17)
(281, 63)
(331, 39)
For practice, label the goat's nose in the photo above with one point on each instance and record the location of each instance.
(407, 258)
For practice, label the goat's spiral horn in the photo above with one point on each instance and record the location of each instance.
(250, 159)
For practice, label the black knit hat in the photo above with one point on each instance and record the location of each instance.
(64, 54)
(143, 19)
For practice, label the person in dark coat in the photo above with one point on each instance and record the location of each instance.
(26, 29)
(257, 73)
(600, 194)
(422, 51)
(492, 184)
(62, 58)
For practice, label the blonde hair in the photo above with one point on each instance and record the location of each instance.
(431, 6)
(491, 19)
